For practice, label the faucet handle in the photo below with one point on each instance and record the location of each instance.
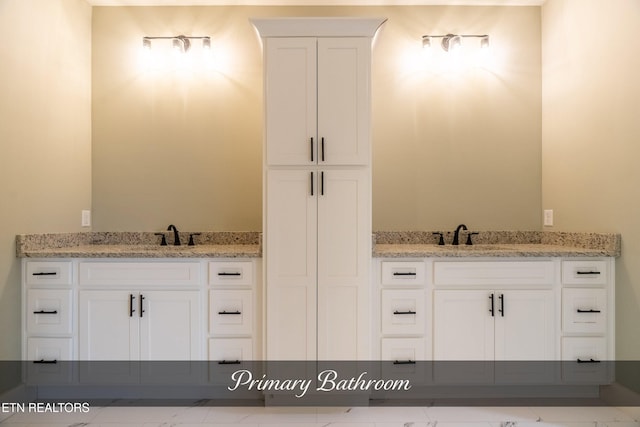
(164, 239)
(469, 242)
(191, 242)
(441, 240)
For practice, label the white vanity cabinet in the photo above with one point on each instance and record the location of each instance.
(499, 309)
(136, 309)
(317, 202)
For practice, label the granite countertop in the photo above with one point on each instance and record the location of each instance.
(420, 244)
(138, 245)
(386, 244)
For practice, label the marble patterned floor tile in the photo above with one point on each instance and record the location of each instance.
(478, 414)
(577, 414)
(374, 415)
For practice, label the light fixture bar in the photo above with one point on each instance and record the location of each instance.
(451, 41)
(180, 42)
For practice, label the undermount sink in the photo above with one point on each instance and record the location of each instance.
(481, 247)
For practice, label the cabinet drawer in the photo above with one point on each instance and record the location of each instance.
(584, 272)
(49, 311)
(584, 310)
(44, 355)
(402, 349)
(48, 273)
(589, 355)
(229, 353)
(139, 273)
(231, 312)
(50, 350)
(403, 273)
(231, 273)
(403, 312)
(494, 273)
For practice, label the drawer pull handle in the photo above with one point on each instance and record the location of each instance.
(229, 362)
(230, 312)
(588, 361)
(587, 273)
(46, 312)
(588, 311)
(223, 273)
(45, 273)
(404, 362)
(399, 273)
(46, 362)
(404, 312)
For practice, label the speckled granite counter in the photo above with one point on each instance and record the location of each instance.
(138, 245)
(394, 244)
(421, 244)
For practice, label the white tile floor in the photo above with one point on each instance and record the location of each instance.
(199, 416)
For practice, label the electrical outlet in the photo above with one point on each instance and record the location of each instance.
(548, 217)
(86, 218)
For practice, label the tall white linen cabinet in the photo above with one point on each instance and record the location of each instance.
(317, 187)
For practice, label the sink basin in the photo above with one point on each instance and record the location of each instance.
(480, 247)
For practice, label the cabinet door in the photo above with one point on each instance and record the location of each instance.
(525, 325)
(344, 251)
(463, 325)
(290, 96)
(170, 325)
(108, 325)
(344, 100)
(290, 254)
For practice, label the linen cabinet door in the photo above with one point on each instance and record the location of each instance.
(108, 325)
(344, 100)
(343, 265)
(290, 86)
(290, 254)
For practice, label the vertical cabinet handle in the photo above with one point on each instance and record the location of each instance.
(491, 310)
(131, 309)
(501, 310)
(311, 148)
(322, 148)
(141, 305)
(311, 180)
(322, 183)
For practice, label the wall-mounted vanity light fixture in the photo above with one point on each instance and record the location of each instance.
(180, 43)
(451, 42)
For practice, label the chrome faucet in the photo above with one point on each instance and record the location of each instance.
(456, 235)
(176, 236)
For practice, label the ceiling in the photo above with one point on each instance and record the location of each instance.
(315, 2)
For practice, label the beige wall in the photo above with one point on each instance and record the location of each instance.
(186, 148)
(591, 134)
(45, 133)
